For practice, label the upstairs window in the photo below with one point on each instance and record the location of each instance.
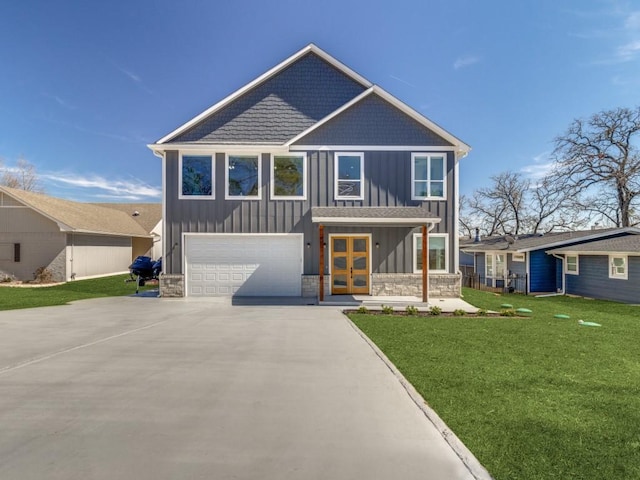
(289, 177)
(618, 266)
(428, 176)
(196, 176)
(349, 173)
(243, 174)
(572, 265)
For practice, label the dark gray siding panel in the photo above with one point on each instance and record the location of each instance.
(280, 108)
(593, 280)
(387, 183)
(373, 121)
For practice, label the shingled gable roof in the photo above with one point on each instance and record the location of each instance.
(437, 135)
(309, 52)
(239, 115)
(628, 244)
(79, 217)
(527, 243)
(148, 214)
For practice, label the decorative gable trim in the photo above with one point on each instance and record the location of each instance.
(311, 48)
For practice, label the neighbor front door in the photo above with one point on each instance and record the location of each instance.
(349, 265)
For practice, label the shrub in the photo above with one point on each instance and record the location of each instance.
(459, 312)
(482, 312)
(411, 310)
(508, 312)
(435, 311)
(362, 309)
(42, 275)
(387, 309)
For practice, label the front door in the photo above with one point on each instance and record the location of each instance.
(349, 265)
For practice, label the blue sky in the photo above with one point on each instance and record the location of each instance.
(85, 85)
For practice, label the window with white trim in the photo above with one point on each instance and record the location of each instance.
(438, 253)
(289, 177)
(495, 266)
(349, 176)
(242, 177)
(618, 267)
(428, 176)
(196, 178)
(518, 257)
(571, 264)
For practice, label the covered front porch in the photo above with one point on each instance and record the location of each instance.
(351, 253)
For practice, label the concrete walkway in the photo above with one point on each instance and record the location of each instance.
(147, 388)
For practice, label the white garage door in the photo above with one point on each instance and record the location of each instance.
(243, 265)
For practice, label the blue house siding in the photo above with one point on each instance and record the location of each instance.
(542, 272)
(593, 280)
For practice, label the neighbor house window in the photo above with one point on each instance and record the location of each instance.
(196, 176)
(618, 266)
(289, 177)
(349, 175)
(438, 253)
(518, 257)
(495, 268)
(428, 176)
(572, 264)
(243, 173)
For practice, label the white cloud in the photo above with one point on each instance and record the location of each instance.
(633, 21)
(101, 187)
(540, 167)
(464, 62)
(60, 101)
(628, 51)
(402, 81)
(134, 77)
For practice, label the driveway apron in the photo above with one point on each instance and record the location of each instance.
(147, 388)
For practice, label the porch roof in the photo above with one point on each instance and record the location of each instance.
(373, 216)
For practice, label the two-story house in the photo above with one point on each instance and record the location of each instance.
(310, 181)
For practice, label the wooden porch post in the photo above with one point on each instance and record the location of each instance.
(321, 269)
(425, 264)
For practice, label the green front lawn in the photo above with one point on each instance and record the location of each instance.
(27, 297)
(532, 398)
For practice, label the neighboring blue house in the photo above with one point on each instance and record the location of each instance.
(310, 181)
(497, 259)
(608, 268)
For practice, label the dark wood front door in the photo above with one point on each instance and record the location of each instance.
(349, 265)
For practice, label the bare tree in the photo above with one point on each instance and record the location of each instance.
(599, 157)
(500, 208)
(551, 206)
(465, 218)
(22, 177)
(516, 205)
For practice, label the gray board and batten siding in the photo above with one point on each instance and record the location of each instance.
(387, 183)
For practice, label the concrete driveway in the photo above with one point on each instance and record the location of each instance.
(148, 388)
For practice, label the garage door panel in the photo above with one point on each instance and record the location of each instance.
(244, 265)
